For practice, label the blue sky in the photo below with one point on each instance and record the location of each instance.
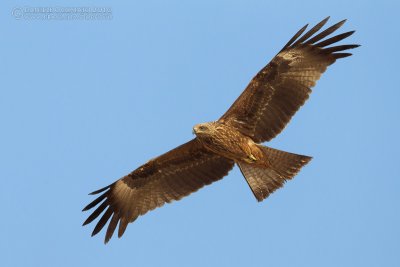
(85, 102)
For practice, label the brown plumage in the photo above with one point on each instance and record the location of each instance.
(260, 113)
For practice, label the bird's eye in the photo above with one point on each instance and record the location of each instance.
(202, 128)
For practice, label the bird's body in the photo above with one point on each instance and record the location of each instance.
(228, 142)
(259, 114)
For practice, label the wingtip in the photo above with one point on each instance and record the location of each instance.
(100, 190)
(302, 29)
(95, 192)
(349, 33)
(86, 222)
(342, 55)
(87, 207)
(325, 19)
(95, 231)
(294, 38)
(353, 46)
(340, 23)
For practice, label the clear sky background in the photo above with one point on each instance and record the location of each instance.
(85, 102)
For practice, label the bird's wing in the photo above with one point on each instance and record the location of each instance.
(168, 177)
(275, 94)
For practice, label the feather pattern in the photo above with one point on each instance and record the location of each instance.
(276, 93)
(166, 178)
(260, 113)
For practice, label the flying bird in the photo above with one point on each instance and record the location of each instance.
(259, 114)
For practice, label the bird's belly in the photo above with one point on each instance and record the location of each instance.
(233, 146)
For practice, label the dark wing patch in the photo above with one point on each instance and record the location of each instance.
(168, 177)
(275, 94)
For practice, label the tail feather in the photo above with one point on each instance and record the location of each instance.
(265, 180)
(261, 181)
(285, 163)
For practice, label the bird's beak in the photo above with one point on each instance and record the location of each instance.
(193, 131)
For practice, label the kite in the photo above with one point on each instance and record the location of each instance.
(259, 114)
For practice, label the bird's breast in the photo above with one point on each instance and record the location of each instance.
(230, 143)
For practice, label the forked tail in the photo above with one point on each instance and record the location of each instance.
(284, 166)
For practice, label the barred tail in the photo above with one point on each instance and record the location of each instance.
(284, 166)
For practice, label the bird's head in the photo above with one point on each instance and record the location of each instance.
(203, 128)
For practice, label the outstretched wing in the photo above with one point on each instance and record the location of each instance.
(168, 177)
(275, 94)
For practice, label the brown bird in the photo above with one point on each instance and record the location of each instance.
(259, 114)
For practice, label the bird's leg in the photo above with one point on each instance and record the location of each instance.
(250, 158)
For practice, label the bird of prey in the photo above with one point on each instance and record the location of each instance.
(259, 114)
